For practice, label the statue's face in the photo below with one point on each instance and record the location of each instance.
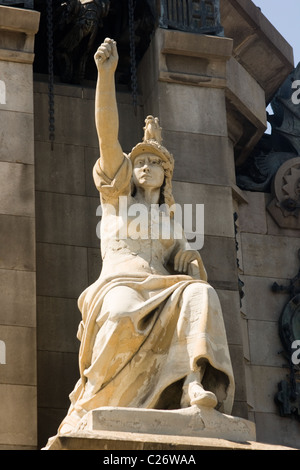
(148, 171)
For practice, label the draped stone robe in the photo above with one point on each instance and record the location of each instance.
(145, 328)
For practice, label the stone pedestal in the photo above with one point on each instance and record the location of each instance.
(17, 230)
(119, 441)
(189, 422)
(135, 429)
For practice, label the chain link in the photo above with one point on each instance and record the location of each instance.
(50, 73)
(134, 85)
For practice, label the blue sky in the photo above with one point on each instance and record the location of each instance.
(285, 16)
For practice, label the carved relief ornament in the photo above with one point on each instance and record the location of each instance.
(285, 205)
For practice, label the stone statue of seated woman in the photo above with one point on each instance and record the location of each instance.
(152, 332)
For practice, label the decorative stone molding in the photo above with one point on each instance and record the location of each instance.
(18, 28)
(285, 206)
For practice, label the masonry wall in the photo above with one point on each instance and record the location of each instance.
(18, 387)
(267, 254)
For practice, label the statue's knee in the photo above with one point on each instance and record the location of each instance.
(198, 293)
(196, 289)
(119, 302)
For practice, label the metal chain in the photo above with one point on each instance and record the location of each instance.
(50, 73)
(134, 87)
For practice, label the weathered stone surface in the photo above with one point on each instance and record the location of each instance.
(201, 158)
(17, 305)
(17, 189)
(74, 111)
(91, 155)
(238, 365)
(257, 45)
(247, 93)
(270, 256)
(265, 344)
(48, 419)
(18, 83)
(94, 264)
(57, 372)
(250, 397)
(197, 60)
(61, 218)
(270, 304)
(17, 243)
(196, 46)
(272, 428)
(253, 216)
(134, 442)
(18, 29)
(60, 170)
(219, 257)
(193, 421)
(230, 302)
(246, 115)
(189, 117)
(58, 321)
(20, 355)
(61, 269)
(19, 150)
(266, 378)
(17, 228)
(18, 422)
(218, 210)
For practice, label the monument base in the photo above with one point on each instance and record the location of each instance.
(126, 441)
(193, 421)
(192, 428)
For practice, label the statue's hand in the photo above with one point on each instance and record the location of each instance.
(183, 258)
(106, 57)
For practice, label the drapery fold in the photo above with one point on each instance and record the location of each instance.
(130, 358)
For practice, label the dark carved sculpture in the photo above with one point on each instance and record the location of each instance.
(117, 25)
(282, 145)
(196, 16)
(76, 24)
(16, 3)
(80, 25)
(288, 395)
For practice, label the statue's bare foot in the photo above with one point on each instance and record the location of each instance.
(194, 394)
(199, 396)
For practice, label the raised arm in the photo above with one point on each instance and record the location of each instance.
(106, 111)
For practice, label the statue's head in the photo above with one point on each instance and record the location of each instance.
(152, 145)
